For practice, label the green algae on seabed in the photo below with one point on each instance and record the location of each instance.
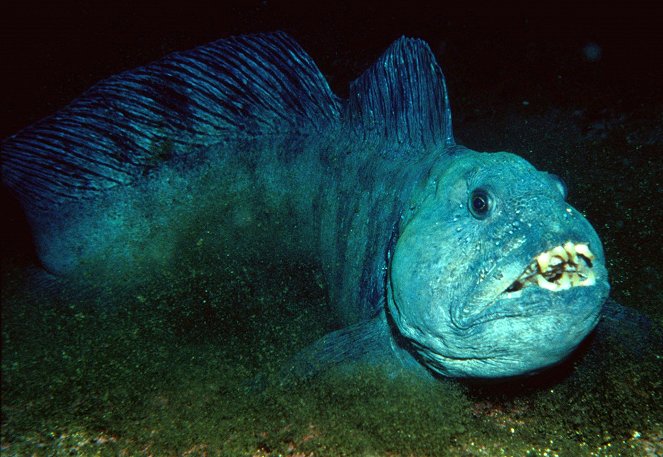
(166, 374)
(164, 370)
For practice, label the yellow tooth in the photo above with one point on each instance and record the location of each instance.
(560, 252)
(544, 283)
(564, 282)
(549, 263)
(590, 280)
(543, 260)
(570, 249)
(583, 250)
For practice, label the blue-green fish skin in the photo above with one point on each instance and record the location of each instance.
(439, 260)
(485, 330)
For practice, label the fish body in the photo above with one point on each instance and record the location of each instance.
(437, 258)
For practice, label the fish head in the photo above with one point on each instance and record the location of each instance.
(494, 274)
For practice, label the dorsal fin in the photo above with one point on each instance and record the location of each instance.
(402, 99)
(241, 87)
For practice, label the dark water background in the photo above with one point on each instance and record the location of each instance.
(167, 379)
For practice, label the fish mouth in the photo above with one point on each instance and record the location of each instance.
(560, 268)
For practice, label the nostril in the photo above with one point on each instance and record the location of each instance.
(560, 184)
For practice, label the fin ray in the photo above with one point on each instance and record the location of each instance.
(241, 87)
(402, 99)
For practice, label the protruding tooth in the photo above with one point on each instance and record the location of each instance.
(583, 250)
(560, 252)
(531, 268)
(590, 280)
(570, 249)
(554, 261)
(564, 282)
(544, 283)
(543, 260)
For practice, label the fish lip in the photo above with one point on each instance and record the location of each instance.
(525, 297)
(558, 268)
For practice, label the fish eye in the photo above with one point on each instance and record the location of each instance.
(480, 203)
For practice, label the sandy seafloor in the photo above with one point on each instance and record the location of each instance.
(164, 369)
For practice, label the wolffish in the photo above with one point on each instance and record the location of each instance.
(439, 259)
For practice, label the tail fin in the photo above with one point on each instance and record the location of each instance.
(231, 89)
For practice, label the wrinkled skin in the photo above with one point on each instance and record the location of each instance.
(432, 253)
(450, 271)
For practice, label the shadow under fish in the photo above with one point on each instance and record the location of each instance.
(438, 259)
